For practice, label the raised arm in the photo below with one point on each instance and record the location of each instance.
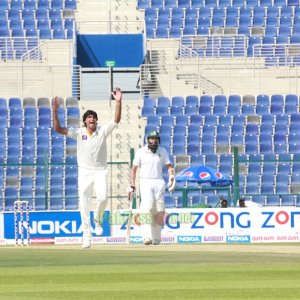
(56, 124)
(117, 94)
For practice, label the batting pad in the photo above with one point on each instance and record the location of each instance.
(98, 212)
(156, 233)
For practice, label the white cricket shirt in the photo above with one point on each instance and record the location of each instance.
(150, 163)
(92, 150)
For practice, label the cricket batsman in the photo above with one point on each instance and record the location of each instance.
(151, 159)
(92, 162)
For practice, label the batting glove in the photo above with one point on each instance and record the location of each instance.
(131, 190)
(171, 183)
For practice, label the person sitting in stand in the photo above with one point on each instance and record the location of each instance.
(223, 202)
(242, 202)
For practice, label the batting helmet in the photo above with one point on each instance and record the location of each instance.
(153, 145)
(153, 134)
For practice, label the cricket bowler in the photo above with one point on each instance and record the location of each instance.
(92, 162)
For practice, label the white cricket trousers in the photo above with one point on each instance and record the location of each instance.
(87, 179)
(152, 193)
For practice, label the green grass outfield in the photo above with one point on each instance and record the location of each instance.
(202, 271)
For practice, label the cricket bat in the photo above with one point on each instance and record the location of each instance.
(129, 219)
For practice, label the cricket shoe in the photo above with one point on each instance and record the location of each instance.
(156, 242)
(86, 244)
(98, 228)
(147, 241)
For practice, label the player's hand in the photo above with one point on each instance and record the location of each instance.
(117, 94)
(130, 191)
(171, 183)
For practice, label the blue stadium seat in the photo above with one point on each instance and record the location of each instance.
(247, 109)
(148, 111)
(175, 32)
(59, 33)
(153, 120)
(234, 100)
(56, 194)
(28, 153)
(149, 102)
(4, 5)
(71, 171)
(162, 110)
(251, 128)
(197, 159)
(143, 4)
(178, 148)
(183, 3)
(178, 101)
(14, 14)
(32, 32)
(26, 194)
(225, 165)
(163, 101)
(10, 196)
(156, 3)
(262, 109)
(266, 128)
(193, 148)
(197, 3)
(211, 160)
(276, 109)
(280, 128)
(277, 99)
(252, 188)
(167, 120)
(219, 109)
(30, 4)
(57, 23)
(14, 103)
(263, 100)
(40, 199)
(73, 112)
(259, 199)
(69, 24)
(182, 120)
(176, 110)
(13, 155)
(15, 25)
(273, 200)
(71, 196)
(251, 143)
(179, 130)
(15, 115)
(211, 120)
(196, 120)
(28, 132)
(165, 130)
(29, 24)
(70, 4)
(43, 4)
(288, 200)
(193, 134)
(43, 24)
(41, 13)
(57, 4)
(4, 118)
(190, 110)
(291, 103)
(16, 4)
